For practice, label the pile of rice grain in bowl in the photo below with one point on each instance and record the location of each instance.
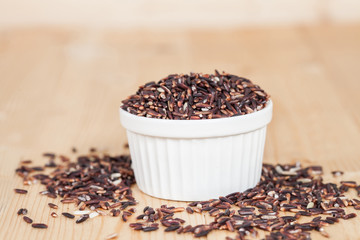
(196, 136)
(196, 96)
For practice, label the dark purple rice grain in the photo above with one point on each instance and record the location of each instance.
(51, 155)
(82, 218)
(52, 205)
(203, 233)
(51, 195)
(68, 215)
(350, 215)
(149, 229)
(196, 96)
(20, 191)
(27, 219)
(39, 225)
(115, 212)
(133, 225)
(39, 169)
(172, 228)
(316, 219)
(51, 163)
(180, 230)
(22, 211)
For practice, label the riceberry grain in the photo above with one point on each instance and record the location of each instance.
(101, 185)
(68, 215)
(196, 96)
(22, 211)
(39, 225)
(27, 219)
(20, 191)
(52, 205)
(82, 218)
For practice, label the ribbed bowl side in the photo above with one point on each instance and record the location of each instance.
(197, 169)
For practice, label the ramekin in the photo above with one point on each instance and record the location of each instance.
(194, 160)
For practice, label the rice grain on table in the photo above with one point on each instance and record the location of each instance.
(290, 188)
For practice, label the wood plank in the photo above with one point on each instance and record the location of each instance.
(62, 88)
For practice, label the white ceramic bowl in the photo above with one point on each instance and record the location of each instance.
(191, 160)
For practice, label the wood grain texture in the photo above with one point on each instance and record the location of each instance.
(62, 87)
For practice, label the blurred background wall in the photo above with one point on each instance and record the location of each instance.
(175, 13)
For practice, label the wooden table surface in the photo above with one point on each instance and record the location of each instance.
(62, 87)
